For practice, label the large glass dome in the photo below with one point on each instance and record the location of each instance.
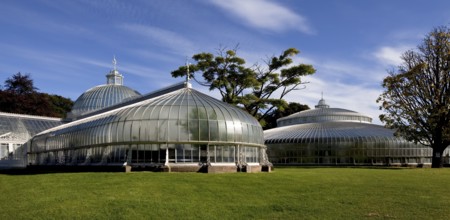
(334, 136)
(103, 96)
(179, 128)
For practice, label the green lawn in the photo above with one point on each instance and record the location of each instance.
(286, 193)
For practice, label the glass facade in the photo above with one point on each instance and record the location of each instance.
(178, 127)
(16, 130)
(332, 136)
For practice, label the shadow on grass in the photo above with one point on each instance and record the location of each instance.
(33, 170)
(346, 166)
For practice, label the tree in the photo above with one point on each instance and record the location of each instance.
(20, 96)
(293, 107)
(257, 89)
(20, 84)
(59, 105)
(416, 98)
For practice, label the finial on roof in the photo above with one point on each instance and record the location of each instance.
(322, 103)
(188, 78)
(114, 77)
(114, 62)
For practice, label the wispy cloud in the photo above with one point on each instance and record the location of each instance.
(344, 70)
(159, 36)
(408, 34)
(265, 14)
(390, 56)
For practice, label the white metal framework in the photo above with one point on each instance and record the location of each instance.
(180, 127)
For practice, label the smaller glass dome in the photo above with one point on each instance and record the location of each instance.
(330, 133)
(323, 113)
(103, 96)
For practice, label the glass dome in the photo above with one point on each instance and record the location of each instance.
(185, 115)
(330, 132)
(177, 127)
(334, 136)
(103, 96)
(323, 113)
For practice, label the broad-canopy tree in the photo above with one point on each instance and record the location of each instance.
(20, 84)
(416, 95)
(258, 89)
(20, 96)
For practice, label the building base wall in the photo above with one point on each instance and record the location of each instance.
(221, 169)
(195, 168)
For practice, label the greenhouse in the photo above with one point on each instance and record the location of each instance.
(335, 136)
(174, 129)
(16, 130)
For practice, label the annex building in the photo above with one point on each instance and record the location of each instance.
(334, 136)
(15, 131)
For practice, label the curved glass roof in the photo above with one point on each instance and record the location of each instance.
(103, 96)
(20, 127)
(327, 125)
(323, 113)
(330, 132)
(181, 116)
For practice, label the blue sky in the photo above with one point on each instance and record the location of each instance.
(67, 45)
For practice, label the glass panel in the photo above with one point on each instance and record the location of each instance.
(202, 113)
(219, 154)
(212, 153)
(155, 112)
(164, 114)
(179, 154)
(230, 131)
(188, 156)
(194, 130)
(126, 135)
(222, 131)
(184, 130)
(163, 130)
(204, 130)
(183, 112)
(152, 128)
(135, 132)
(174, 111)
(213, 131)
(173, 130)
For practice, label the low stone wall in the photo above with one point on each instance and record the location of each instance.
(185, 168)
(222, 169)
(252, 169)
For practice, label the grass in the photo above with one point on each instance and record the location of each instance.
(286, 193)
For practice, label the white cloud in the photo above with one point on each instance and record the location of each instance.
(265, 14)
(159, 36)
(390, 56)
(339, 70)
